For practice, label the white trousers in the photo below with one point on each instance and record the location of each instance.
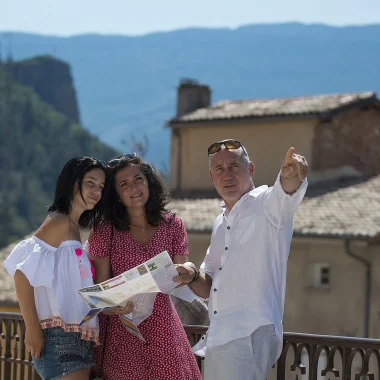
(249, 358)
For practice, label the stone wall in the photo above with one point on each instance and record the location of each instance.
(350, 138)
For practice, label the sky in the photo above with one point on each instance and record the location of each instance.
(126, 17)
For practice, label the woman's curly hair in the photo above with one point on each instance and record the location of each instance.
(155, 207)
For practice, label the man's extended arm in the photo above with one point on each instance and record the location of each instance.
(282, 200)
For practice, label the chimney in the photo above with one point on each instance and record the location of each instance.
(191, 96)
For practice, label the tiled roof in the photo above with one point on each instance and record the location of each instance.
(321, 105)
(352, 212)
(197, 214)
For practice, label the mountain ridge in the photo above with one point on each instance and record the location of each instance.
(126, 85)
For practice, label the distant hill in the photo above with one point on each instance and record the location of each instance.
(127, 85)
(51, 80)
(35, 141)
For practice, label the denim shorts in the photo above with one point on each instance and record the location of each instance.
(63, 353)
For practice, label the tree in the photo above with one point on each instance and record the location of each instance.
(140, 147)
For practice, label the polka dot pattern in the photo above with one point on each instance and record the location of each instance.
(166, 354)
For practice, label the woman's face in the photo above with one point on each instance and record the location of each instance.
(92, 188)
(132, 187)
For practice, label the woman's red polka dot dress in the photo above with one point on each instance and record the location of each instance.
(166, 354)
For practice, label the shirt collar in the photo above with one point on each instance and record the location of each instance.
(251, 194)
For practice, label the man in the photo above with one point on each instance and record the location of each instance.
(244, 271)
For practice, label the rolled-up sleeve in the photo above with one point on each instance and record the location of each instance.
(279, 207)
(207, 267)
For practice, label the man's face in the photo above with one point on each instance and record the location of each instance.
(232, 174)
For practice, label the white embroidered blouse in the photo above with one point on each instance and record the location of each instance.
(56, 275)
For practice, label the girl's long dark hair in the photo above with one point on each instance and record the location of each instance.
(155, 207)
(71, 174)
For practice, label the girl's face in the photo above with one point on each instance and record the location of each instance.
(132, 187)
(92, 189)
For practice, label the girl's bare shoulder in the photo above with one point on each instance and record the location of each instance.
(55, 229)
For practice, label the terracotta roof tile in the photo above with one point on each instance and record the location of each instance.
(282, 107)
(198, 215)
(350, 212)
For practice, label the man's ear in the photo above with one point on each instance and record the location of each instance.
(251, 168)
(210, 174)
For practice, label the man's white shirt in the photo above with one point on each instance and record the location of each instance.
(247, 261)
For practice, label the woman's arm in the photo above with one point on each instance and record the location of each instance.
(101, 247)
(34, 337)
(102, 267)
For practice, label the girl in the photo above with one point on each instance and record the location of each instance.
(51, 266)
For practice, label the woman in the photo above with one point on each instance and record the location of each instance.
(138, 227)
(50, 267)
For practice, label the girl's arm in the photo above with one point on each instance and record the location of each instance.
(34, 337)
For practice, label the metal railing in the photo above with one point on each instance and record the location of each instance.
(15, 360)
(314, 357)
(304, 356)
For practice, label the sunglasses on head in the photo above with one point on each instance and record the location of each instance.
(116, 160)
(229, 144)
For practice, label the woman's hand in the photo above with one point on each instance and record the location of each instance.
(119, 310)
(35, 341)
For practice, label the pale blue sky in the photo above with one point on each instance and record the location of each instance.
(68, 17)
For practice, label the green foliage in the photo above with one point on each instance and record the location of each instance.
(35, 142)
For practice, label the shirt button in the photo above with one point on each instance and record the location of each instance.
(228, 227)
(215, 289)
(215, 312)
(226, 248)
(147, 368)
(220, 268)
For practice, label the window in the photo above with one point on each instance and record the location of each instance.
(320, 276)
